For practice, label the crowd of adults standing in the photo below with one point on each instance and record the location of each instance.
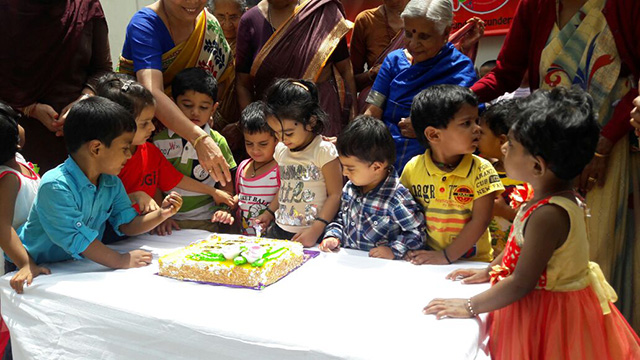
(55, 51)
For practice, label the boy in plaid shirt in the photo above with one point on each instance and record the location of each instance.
(377, 213)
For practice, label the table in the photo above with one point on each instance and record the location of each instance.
(337, 305)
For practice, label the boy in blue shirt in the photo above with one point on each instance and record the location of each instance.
(77, 198)
(377, 214)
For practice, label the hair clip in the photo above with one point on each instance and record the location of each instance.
(125, 86)
(300, 84)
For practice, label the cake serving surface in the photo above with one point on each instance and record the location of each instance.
(234, 260)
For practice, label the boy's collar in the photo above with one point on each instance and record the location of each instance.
(81, 178)
(462, 170)
(206, 128)
(387, 182)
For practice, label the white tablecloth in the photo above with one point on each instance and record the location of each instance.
(338, 305)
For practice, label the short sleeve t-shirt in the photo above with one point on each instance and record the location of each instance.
(148, 170)
(303, 190)
(182, 155)
(255, 194)
(447, 198)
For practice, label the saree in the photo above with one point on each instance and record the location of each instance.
(398, 42)
(34, 33)
(398, 82)
(305, 42)
(584, 54)
(206, 48)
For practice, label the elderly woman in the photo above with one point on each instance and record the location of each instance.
(592, 44)
(163, 39)
(53, 53)
(428, 59)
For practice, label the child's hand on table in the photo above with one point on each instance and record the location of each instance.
(470, 276)
(382, 252)
(146, 204)
(452, 308)
(26, 274)
(309, 236)
(329, 244)
(222, 216)
(165, 227)
(139, 258)
(422, 257)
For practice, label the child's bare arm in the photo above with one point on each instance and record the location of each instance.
(9, 240)
(469, 235)
(144, 223)
(471, 232)
(332, 173)
(547, 229)
(103, 255)
(220, 196)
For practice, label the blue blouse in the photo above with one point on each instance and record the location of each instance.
(146, 40)
(398, 82)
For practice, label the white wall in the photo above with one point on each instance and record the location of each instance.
(488, 49)
(119, 12)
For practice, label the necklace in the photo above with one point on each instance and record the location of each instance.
(255, 169)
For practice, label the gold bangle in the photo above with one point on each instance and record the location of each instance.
(197, 140)
(27, 110)
(597, 154)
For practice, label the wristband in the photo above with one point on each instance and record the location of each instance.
(326, 223)
(197, 140)
(271, 212)
(597, 154)
(445, 255)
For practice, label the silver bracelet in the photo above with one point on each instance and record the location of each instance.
(470, 308)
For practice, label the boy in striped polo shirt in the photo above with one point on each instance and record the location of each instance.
(195, 92)
(455, 188)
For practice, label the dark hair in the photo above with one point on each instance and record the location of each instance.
(368, 139)
(560, 126)
(499, 116)
(296, 100)
(9, 134)
(126, 91)
(194, 79)
(437, 105)
(253, 119)
(96, 118)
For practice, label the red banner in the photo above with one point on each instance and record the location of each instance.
(497, 14)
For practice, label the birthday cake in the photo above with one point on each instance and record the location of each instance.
(233, 260)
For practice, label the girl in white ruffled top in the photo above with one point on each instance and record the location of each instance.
(18, 188)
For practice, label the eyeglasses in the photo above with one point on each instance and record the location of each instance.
(227, 18)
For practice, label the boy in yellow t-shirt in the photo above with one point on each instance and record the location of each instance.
(455, 188)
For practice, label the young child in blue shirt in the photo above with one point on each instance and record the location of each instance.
(377, 213)
(77, 198)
